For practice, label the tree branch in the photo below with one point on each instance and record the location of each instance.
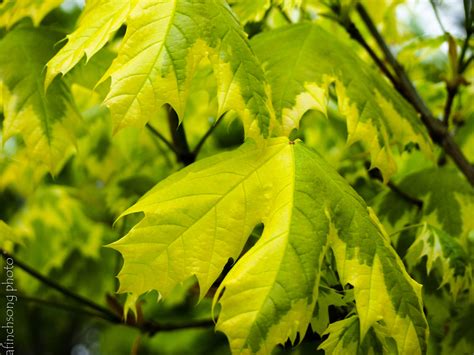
(145, 326)
(436, 129)
(376, 174)
(78, 298)
(58, 305)
(357, 36)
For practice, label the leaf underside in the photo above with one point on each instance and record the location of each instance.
(200, 217)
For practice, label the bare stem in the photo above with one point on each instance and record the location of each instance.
(145, 326)
(161, 137)
(437, 130)
(211, 129)
(61, 289)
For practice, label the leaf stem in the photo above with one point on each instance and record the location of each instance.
(211, 129)
(161, 137)
(436, 129)
(412, 226)
(180, 142)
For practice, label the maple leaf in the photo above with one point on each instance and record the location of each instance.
(198, 218)
(451, 210)
(54, 225)
(302, 61)
(98, 22)
(11, 11)
(254, 10)
(46, 120)
(445, 253)
(164, 43)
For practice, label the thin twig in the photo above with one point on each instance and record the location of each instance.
(466, 63)
(437, 130)
(148, 327)
(54, 285)
(413, 200)
(451, 94)
(357, 36)
(376, 174)
(407, 228)
(161, 138)
(211, 129)
(58, 305)
(435, 10)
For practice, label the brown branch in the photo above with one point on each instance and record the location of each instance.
(436, 129)
(451, 94)
(145, 326)
(61, 289)
(357, 36)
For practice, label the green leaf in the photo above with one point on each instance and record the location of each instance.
(343, 339)
(98, 22)
(198, 218)
(451, 210)
(254, 10)
(8, 237)
(54, 225)
(302, 61)
(250, 10)
(11, 11)
(161, 50)
(446, 254)
(326, 297)
(46, 121)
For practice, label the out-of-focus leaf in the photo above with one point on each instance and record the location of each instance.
(11, 11)
(45, 120)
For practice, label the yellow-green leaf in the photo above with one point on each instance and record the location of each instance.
(164, 43)
(46, 121)
(11, 11)
(98, 22)
(301, 61)
(200, 217)
(445, 253)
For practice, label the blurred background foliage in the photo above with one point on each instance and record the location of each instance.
(61, 223)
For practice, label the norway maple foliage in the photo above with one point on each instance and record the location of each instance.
(280, 245)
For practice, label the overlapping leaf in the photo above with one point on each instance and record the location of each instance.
(200, 217)
(164, 43)
(11, 11)
(448, 199)
(45, 120)
(254, 10)
(97, 24)
(301, 62)
(54, 225)
(446, 254)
